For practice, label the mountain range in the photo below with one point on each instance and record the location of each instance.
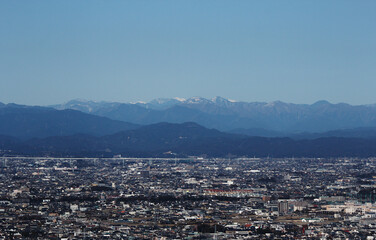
(251, 118)
(25, 122)
(164, 128)
(184, 140)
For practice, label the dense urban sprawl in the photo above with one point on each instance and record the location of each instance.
(193, 198)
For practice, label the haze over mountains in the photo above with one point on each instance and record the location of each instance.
(35, 122)
(254, 118)
(182, 140)
(178, 127)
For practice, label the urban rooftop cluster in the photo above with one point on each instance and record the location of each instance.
(193, 198)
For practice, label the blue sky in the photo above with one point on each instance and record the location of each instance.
(293, 51)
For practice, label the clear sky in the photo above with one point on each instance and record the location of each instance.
(293, 51)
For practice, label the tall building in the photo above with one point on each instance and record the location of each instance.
(283, 207)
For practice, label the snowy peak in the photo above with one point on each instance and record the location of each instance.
(220, 100)
(161, 100)
(196, 100)
(163, 103)
(225, 114)
(180, 99)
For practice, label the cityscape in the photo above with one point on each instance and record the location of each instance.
(190, 198)
(190, 119)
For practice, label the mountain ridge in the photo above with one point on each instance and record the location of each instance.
(184, 140)
(227, 115)
(25, 122)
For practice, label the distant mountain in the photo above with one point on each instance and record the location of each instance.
(143, 114)
(161, 137)
(30, 122)
(85, 106)
(260, 132)
(187, 139)
(161, 103)
(227, 115)
(367, 133)
(7, 142)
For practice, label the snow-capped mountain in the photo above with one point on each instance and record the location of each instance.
(161, 103)
(225, 114)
